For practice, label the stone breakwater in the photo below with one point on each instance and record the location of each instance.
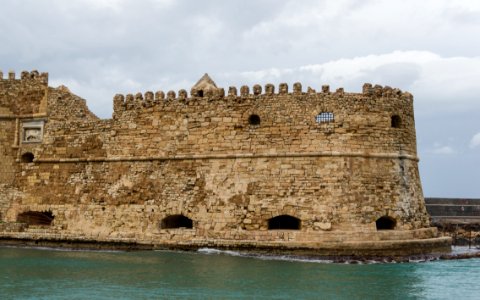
(458, 218)
(325, 172)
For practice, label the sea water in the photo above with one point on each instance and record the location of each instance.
(213, 274)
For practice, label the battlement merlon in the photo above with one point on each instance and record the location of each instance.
(206, 88)
(26, 76)
(26, 96)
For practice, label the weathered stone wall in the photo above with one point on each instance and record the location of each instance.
(19, 99)
(230, 193)
(25, 96)
(7, 163)
(201, 157)
(206, 126)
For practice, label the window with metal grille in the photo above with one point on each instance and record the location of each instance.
(325, 117)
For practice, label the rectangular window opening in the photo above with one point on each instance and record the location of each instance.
(325, 117)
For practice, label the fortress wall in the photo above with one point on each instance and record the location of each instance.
(205, 126)
(223, 194)
(26, 95)
(287, 126)
(202, 158)
(66, 107)
(7, 163)
(7, 153)
(19, 98)
(25, 99)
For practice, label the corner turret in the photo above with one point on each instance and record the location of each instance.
(205, 86)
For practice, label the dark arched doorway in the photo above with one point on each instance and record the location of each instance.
(44, 218)
(284, 222)
(176, 221)
(385, 223)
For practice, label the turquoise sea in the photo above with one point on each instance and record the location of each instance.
(211, 274)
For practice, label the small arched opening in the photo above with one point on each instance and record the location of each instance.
(200, 93)
(396, 121)
(254, 120)
(385, 223)
(284, 222)
(176, 221)
(27, 157)
(43, 218)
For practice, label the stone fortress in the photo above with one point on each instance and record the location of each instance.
(327, 173)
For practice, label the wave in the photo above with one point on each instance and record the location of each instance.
(465, 249)
(213, 251)
(218, 251)
(457, 253)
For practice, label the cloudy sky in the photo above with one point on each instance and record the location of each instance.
(431, 48)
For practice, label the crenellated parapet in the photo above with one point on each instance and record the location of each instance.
(26, 76)
(23, 95)
(206, 89)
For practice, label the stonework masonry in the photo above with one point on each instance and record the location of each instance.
(326, 172)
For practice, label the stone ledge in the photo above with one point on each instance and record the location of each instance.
(356, 248)
(27, 116)
(229, 156)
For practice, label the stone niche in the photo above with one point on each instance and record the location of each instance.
(32, 131)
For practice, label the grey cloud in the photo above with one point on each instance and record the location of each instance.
(102, 47)
(394, 74)
(475, 141)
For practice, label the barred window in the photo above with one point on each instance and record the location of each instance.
(325, 117)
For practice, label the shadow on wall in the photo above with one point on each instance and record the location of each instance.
(386, 223)
(176, 221)
(44, 218)
(27, 157)
(284, 222)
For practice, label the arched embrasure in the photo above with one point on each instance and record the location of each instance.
(284, 222)
(36, 218)
(385, 223)
(176, 221)
(27, 157)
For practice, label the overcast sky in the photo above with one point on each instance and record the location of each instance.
(430, 48)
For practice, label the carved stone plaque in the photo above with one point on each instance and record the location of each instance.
(33, 135)
(32, 132)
